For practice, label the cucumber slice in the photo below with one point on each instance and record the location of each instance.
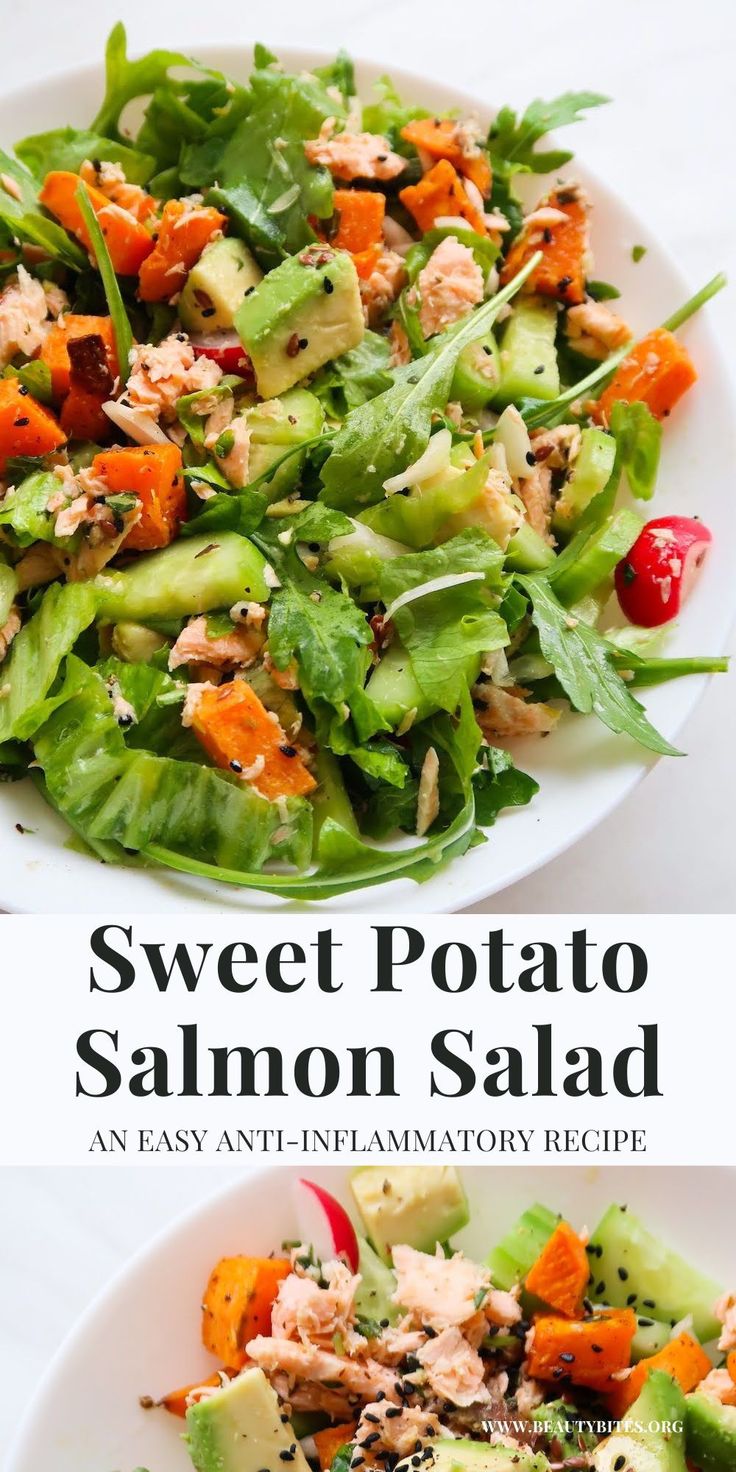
(527, 551)
(528, 353)
(477, 374)
(511, 1260)
(374, 1298)
(650, 1337)
(627, 1259)
(394, 690)
(598, 557)
(590, 474)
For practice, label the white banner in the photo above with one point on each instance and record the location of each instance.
(280, 1038)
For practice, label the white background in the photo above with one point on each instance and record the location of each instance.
(667, 147)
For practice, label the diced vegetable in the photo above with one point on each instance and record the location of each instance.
(176, 1400)
(683, 1358)
(442, 193)
(658, 572)
(238, 735)
(329, 1442)
(439, 138)
(360, 215)
(191, 576)
(564, 244)
(590, 474)
(631, 1260)
(26, 427)
(560, 1274)
(183, 233)
(237, 1304)
(516, 1253)
(657, 372)
(128, 241)
(153, 474)
(589, 1352)
(55, 347)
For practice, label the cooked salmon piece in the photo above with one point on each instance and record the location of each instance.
(449, 286)
(351, 156)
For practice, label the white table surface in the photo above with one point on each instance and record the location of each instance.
(669, 147)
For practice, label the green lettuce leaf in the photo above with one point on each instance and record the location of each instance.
(67, 149)
(126, 80)
(442, 629)
(387, 114)
(36, 654)
(498, 784)
(583, 664)
(327, 634)
(24, 513)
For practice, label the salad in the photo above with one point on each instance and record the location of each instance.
(382, 1346)
(318, 457)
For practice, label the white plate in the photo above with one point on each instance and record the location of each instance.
(584, 771)
(141, 1335)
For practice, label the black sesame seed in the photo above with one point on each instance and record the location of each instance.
(208, 311)
(623, 1274)
(385, 1323)
(328, 286)
(649, 1303)
(547, 235)
(21, 423)
(531, 458)
(631, 1300)
(597, 1348)
(619, 1464)
(287, 750)
(600, 1290)
(22, 389)
(539, 369)
(392, 1411)
(567, 1358)
(369, 1440)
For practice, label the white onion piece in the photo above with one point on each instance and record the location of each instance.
(474, 194)
(435, 585)
(136, 423)
(450, 222)
(436, 458)
(370, 541)
(512, 433)
(396, 237)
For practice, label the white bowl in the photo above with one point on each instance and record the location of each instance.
(584, 770)
(141, 1336)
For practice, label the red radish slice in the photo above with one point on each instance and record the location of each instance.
(324, 1224)
(225, 349)
(656, 576)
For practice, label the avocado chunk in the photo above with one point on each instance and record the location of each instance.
(528, 353)
(557, 1423)
(412, 1204)
(214, 289)
(239, 1429)
(710, 1433)
(304, 313)
(463, 1455)
(647, 1439)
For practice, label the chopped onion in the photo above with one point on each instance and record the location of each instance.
(138, 424)
(474, 195)
(435, 585)
(396, 237)
(365, 537)
(450, 222)
(436, 458)
(512, 433)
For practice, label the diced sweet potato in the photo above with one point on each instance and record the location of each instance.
(329, 1441)
(560, 1274)
(589, 1352)
(564, 246)
(683, 1358)
(441, 193)
(55, 348)
(128, 242)
(176, 1400)
(184, 231)
(441, 138)
(657, 372)
(239, 735)
(26, 427)
(153, 474)
(360, 214)
(237, 1304)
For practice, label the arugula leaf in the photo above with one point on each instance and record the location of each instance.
(602, 291)
(268, 186)
(24, 218)
(498, 784)
(391, 431)
(120, 324)
(442, 630)
(583, 664)
(317, 523)
(512, 141)
(325, 632)
(67, 148)
(389, 809)
(512, 144)
(225, 511)
(126, 80)
(356, 377)
(638, 438)
(638, 670)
